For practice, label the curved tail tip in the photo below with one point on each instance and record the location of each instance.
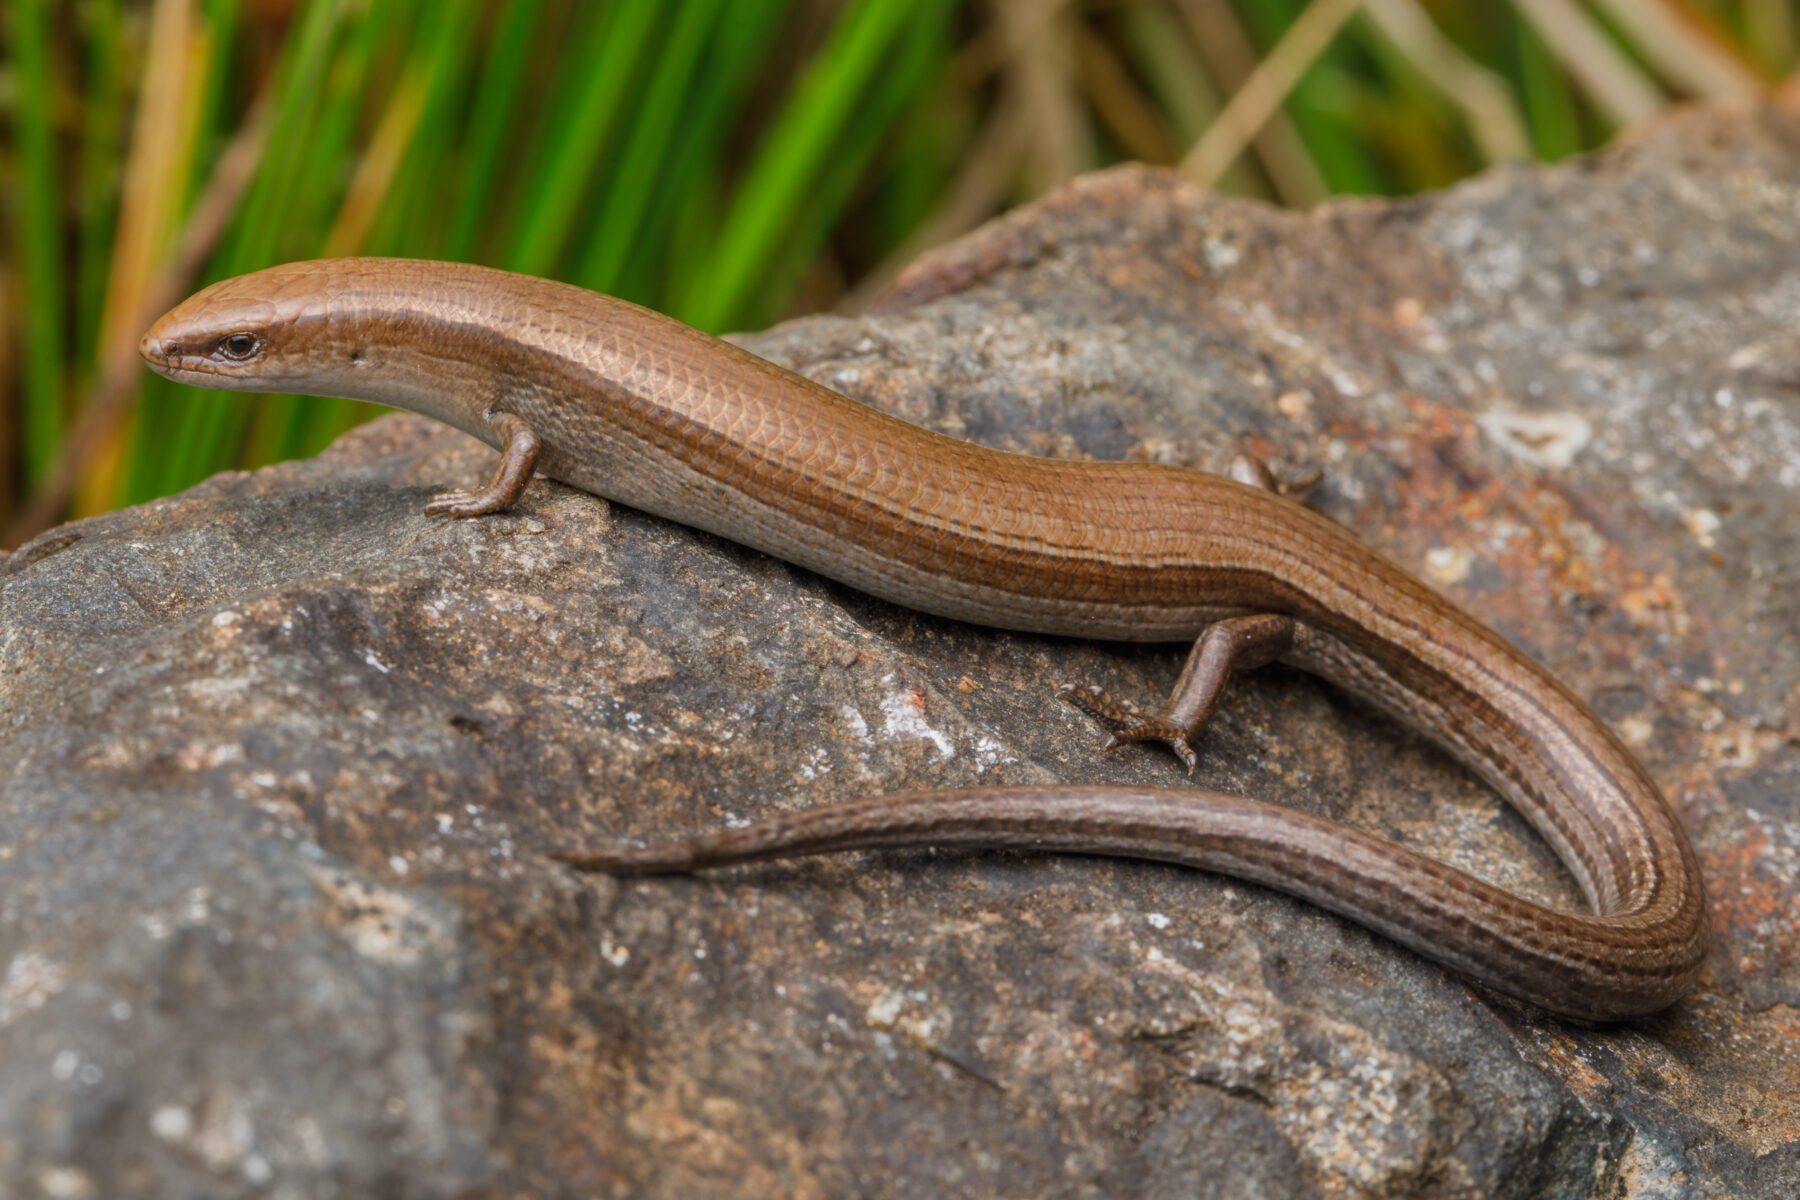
(622, 857)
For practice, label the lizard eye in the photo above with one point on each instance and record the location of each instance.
(239, 345)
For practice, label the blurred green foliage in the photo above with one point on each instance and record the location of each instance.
(726, 161)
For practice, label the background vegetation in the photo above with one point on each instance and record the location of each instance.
(727, 161)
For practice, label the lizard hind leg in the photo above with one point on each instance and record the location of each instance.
(1255, 472)
(1233, 644)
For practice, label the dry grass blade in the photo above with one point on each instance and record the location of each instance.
(1494, 120)
(380, 163)
(1119, 103)
(1040, 76)
(1231, 58)
(162, 146)
(1684, 55)
(1266, 88)
(1602, 70)
(161, 154)
(120, 367)
(1769, 33)
(686, 155)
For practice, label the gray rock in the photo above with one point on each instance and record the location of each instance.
(283, 756)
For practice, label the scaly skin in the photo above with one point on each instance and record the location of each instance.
(631, 405)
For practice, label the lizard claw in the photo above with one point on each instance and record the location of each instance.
(458, 503)
(1127, 724)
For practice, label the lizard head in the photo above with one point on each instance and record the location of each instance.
(282, 329)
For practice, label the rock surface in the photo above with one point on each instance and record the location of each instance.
(283, 756)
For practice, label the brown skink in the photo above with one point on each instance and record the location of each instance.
(637, 407)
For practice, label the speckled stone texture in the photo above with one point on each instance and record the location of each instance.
(282, 756)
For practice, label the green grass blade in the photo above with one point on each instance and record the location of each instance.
(682, 153)
(414, 221)
(1318, 105)
(411, 204)
(1161, 48)
(790, 158)
(184, 435)
(676, 233)
(604, 74)
(278, 424)
(102, 167)
(908, 71)
(219, 116)
(40, 238)
(492, 123)
(655, 127)
(1551, 110)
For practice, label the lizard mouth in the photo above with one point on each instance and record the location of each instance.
(167, 359)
